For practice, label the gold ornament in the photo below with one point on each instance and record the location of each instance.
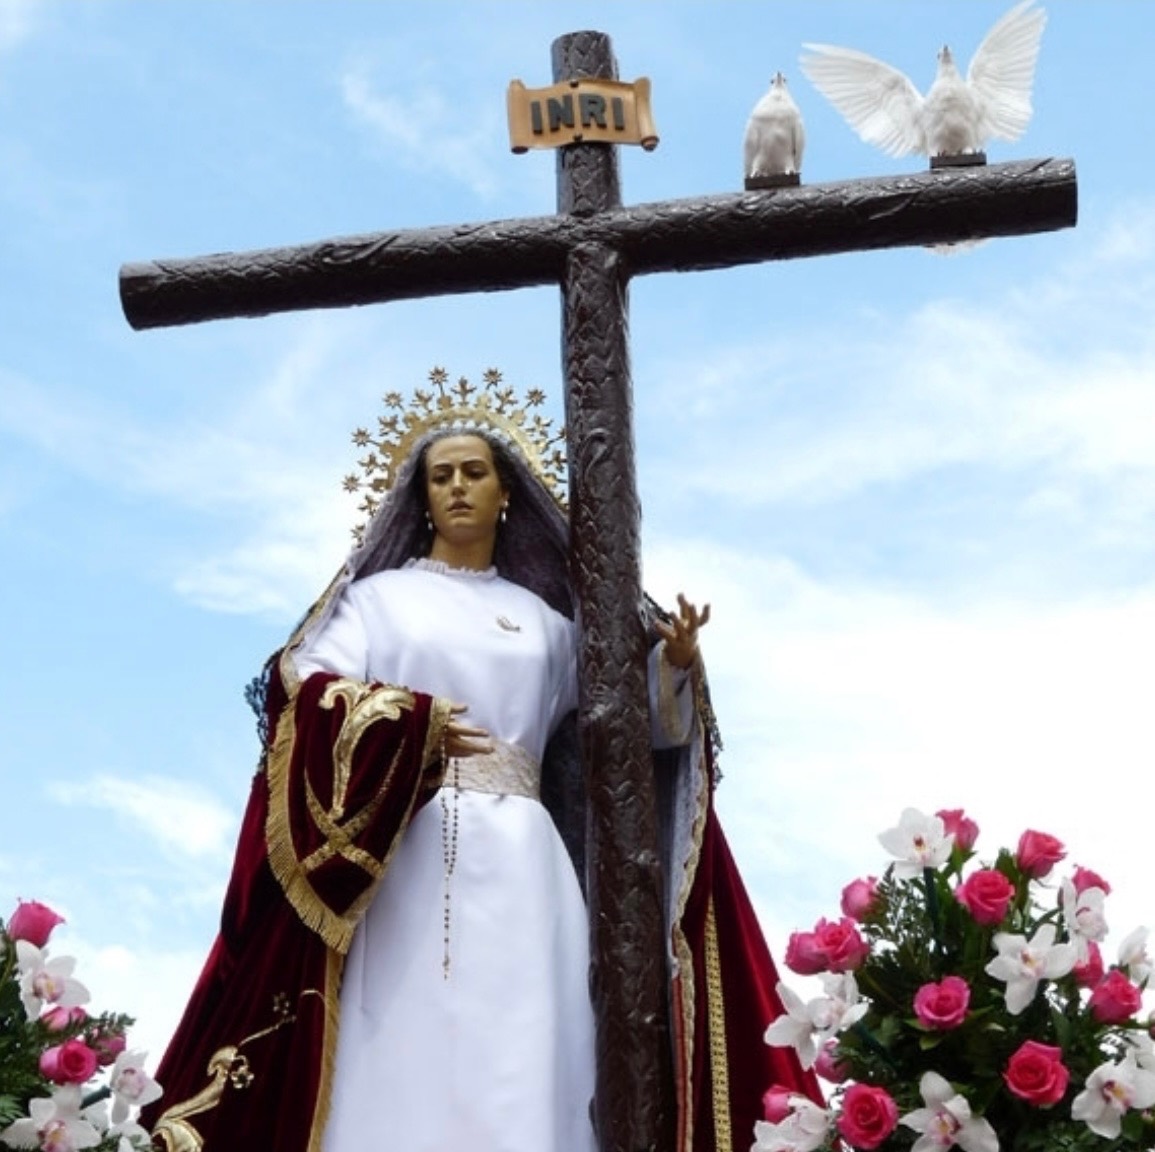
(492, 407)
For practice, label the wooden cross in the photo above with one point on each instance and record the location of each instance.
(592, 248)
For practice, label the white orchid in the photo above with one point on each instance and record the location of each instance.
(131, 1137)
(54, 1124)
(1112, 1090)
(132, 1087)
(919, 842)
(946, 1120)
(805, 1026)
(1142, 1048)
(803, 1130)
(1083, 912)
(44, 981)
(1134, 957)
(839, 1008)
(794, 1028)
(1023, 963)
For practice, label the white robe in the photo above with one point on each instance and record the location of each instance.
(498, 1055)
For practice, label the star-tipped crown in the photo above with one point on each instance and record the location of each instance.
(493, 406)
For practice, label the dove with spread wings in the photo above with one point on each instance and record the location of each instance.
(958, 115)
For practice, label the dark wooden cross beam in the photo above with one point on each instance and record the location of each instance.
(592, 248)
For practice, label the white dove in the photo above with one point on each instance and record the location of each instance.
(956, 116)
(774, 133)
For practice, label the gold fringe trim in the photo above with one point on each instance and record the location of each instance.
(681, 948)
(719, 1059)
(334, 967)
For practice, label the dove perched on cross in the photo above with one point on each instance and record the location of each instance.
(958, 114)
(774, 134)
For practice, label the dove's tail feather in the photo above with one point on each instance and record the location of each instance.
(955, 248)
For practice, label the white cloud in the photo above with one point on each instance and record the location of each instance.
(424, 130)
(17, 18)
(152, 985)
(179, 817)
(842, 705)
(280, 570)
(1056, 378)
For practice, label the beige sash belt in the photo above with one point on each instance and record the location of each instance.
(509, 770)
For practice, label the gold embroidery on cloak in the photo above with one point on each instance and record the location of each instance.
(227, 1067)
(293, 874)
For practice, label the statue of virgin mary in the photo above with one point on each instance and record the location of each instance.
(403, 958)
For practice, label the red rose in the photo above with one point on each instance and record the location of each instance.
(1090, 971)
(1115, 999)
(944, 1005)
(1036, 1073)
(33, 921)
(1084, 878)
(956, 823)
(986, 895)
(803, 954)
(72, 1062)
(868, 1116)
(860, 898)
(1038, 853)
(841, 945)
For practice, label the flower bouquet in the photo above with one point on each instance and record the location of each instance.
(967, 1003)
(52, 1052)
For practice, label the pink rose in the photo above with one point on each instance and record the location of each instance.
(860, 898)
(1088, 973)
(1115, 999)
(943, 1005)
(956, 823)
(831, 947)
(1036, 1073)
(1084, 878)
(1038, 853)
(56, 1019)
(869, 1115)
(803, 954)
(776, 1104)
(33, 921)
(986, 895)
(72, 1062)
(841, 944)
(829, 1065)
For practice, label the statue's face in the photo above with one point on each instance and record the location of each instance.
(463, 489)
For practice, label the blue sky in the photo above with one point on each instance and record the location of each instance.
(918, 491)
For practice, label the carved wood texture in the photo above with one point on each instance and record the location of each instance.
(634, 1103)
(672, 236)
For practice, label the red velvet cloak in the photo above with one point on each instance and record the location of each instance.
(249, 1066)
(250, 1063)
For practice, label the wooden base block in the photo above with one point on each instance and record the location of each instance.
(963, 160)
(779, 180)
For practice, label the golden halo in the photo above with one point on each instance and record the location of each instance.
(491, 407)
